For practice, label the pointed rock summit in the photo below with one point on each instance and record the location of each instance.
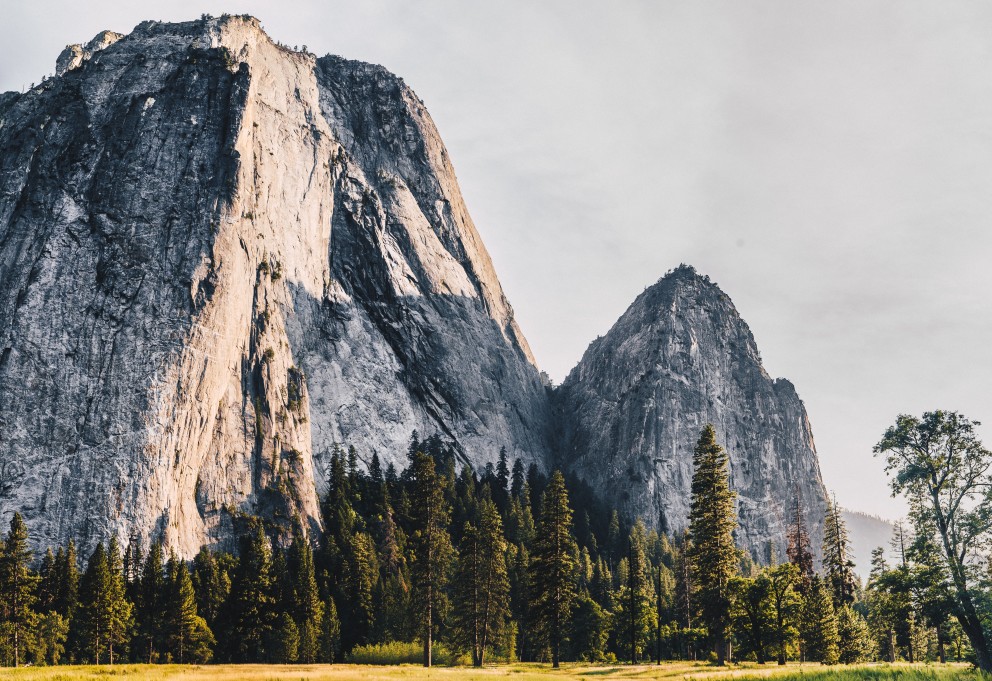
(632, 410)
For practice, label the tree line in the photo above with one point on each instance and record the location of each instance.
(508, 563)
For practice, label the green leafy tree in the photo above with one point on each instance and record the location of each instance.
(714, 558)
(883, 607)
(481, 586)
(818, 626)
(432, 550)
(17, 588)
(753, 615)
(590, 630)
(785, 604)
(939, 458)
(553, 567)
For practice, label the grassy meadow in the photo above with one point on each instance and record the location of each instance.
(518, 672)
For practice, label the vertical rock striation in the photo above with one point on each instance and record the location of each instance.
(632, 409)
(218, 259)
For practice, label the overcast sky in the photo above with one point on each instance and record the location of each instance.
(829, 164)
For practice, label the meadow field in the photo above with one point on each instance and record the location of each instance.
(518, 672)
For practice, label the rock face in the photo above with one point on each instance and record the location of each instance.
(218, 259)
(632, 409)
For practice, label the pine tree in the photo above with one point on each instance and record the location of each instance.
(17, 587)
(183, 625)
(818, 626)
(633, 618)
(212, 585)
(331, 633)
(47, 582)
(714, 558)
(120, 618)
(151, 594)
(250, 610)
(883, 610)
(285, 647)
(432, 549)
(481, 587)
(837, 564)
(517, 479)
(799, 549)
(520, 595)
(854, 639)
(552, 567)
(94, 605)
(307, 608)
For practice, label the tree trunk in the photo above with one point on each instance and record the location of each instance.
(721, 650)
(427, 635)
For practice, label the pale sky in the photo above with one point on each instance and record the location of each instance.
(829, 164)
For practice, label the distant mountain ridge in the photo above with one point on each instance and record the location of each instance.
(867, 532)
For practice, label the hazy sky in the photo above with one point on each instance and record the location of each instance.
(829, 164)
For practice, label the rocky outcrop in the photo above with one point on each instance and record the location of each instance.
(632, 409)
(219, 258)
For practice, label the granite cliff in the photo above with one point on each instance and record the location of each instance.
(221, 258)
(632, 409)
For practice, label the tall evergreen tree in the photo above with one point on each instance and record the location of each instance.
(120, 612)
(94, 605)
(187, 635)
(331, 633)
(432, 550)
(633, 618)
(714, 557)
(837, 564)
(481, 588)
(212, 585)
(250, 611)
(799, 550)
(552, 567)
(818, 626)
(307, 608)
(151, 595)
(17, 587)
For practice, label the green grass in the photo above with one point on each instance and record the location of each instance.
(518, 672)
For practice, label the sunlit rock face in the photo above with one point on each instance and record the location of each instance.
(218, 259)
(632, 410)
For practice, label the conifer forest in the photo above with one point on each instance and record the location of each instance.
(439, 563)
